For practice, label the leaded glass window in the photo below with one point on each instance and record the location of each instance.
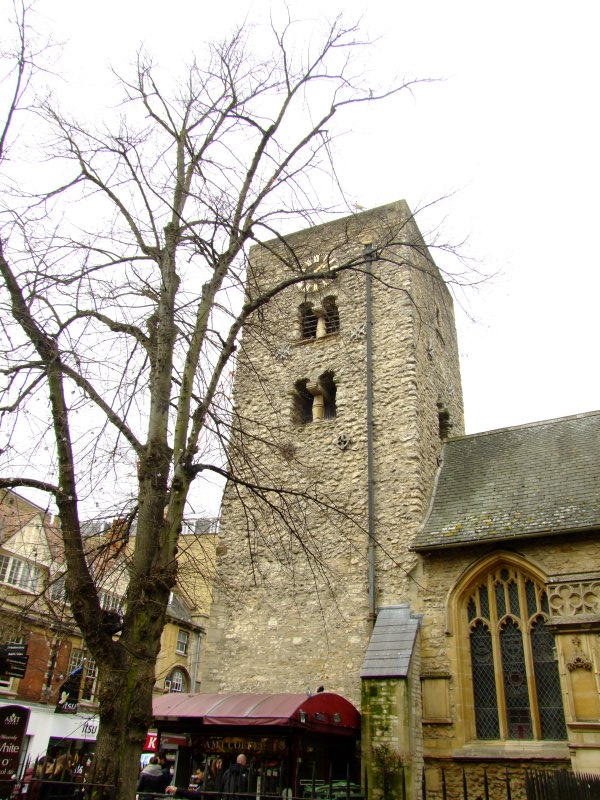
(549, 697)
(484, 684)
(89, 677)
(516, 687)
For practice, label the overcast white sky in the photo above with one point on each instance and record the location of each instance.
(511, 132)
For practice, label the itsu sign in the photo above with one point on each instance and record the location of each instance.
(13, 724)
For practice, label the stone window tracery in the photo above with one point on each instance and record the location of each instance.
(515, 682)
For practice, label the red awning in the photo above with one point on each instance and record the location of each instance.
(323, 711)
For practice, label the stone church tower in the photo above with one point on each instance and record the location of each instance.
(345, 388)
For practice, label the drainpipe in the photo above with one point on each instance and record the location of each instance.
(195, 665)
(370, 256)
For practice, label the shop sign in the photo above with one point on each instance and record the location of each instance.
(68, 694)
(172, 740)
(13, 724)
(151, 743)
(265, 745)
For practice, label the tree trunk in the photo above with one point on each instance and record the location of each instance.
(125, 716)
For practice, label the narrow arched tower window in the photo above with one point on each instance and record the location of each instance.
(308, 321)
(302, 403)
(329, 391)
(444, 424)
(331, 315)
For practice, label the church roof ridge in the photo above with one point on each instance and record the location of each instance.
(533, 424)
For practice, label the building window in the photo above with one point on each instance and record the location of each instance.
(308, 321)
(89, 676)
(302, 407)
(19, 573)
(110, 601)
(316, 323)
(331, 315)
(183, 638)
(515, 681)
(444, 424)
(177, 681)
(311, 403)
(328, 393)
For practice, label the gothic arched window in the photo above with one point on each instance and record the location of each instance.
(516, 687)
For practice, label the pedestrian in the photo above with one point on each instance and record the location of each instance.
(153, 780)
(235, 777)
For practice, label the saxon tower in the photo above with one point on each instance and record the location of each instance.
(345, 387)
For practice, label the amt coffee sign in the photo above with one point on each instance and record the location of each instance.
(13, 724)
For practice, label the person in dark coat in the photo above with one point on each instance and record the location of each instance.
(153, 780)
(213, 778)
(233, 782)
(235, 777)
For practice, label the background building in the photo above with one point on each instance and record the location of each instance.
(34, 611)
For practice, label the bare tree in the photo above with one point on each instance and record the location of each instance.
(125, 289)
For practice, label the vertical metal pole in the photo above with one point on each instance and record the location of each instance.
(486, 788)
(314, 769)
(444, 792)
(507, 779)
(369, 259)
(330, 793)
(465, 792)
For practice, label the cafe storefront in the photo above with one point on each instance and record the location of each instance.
(294, 744)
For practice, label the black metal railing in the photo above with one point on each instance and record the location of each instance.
(473, 784)
(561, 785)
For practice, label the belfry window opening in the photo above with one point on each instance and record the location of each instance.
(315, 323)
(316, 402)
(302, 410)
(308, 321)
(331, 315)
(328, 393)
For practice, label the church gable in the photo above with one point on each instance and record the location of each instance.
(516, 482)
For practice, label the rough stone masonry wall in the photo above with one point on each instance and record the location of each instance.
(291, 610)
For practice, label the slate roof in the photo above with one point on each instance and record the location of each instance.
(392, 642)
(522, 481)
(177, 609)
